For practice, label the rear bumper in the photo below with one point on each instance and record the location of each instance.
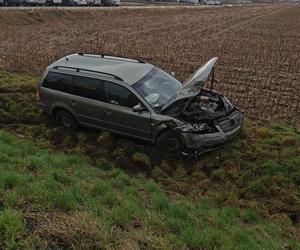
(212, 141)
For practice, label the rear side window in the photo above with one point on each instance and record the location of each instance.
(120, 95)
(89, 88)
(58, 81)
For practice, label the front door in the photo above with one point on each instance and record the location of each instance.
(119, 115)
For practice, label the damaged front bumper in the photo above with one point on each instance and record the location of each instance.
(208, 142)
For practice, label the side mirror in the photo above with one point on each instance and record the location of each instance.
(138, 108)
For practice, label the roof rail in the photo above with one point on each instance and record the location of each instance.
(93, 71)
(112, 57)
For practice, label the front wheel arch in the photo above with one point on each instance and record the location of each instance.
(167, 132)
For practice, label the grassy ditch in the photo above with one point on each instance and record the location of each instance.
(256, 175)
(51, 200)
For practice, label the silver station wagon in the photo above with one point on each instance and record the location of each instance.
(137, 99)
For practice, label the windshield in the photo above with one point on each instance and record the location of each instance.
(157, 87)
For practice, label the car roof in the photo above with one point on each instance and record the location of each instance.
(128, 70)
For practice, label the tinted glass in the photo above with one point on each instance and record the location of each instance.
(120, 95)
(89, 88)
(57, 81)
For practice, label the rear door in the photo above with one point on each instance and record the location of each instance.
(89, 100)
(119, 115)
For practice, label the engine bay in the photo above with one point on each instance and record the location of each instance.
(206, 106)
(198, 113)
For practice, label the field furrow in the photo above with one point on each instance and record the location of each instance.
(258, 47)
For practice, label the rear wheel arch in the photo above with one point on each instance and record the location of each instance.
(63, 115)
(58, 108)
(55, 110)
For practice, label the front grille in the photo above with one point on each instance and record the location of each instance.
(230, 122)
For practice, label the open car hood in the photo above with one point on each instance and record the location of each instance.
(193, 85)
(196, 80)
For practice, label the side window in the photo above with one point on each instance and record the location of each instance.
(58, 81)
(120, 95)
(89, 88)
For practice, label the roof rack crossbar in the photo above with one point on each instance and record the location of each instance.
(93, 71)
(112, 57)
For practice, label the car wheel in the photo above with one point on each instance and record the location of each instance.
(66, 120)
(169, 141)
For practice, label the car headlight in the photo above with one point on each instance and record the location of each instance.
(200, 126)
(186, 127)
(194, 128)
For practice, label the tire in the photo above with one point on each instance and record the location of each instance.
(169, 142)
(67, 120)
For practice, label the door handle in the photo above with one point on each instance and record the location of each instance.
(73, 103)
(107, 111)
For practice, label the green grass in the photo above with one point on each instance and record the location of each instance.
(50, 199)
(19, 82)
(128, 195)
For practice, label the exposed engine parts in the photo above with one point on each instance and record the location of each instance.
(199, 113)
